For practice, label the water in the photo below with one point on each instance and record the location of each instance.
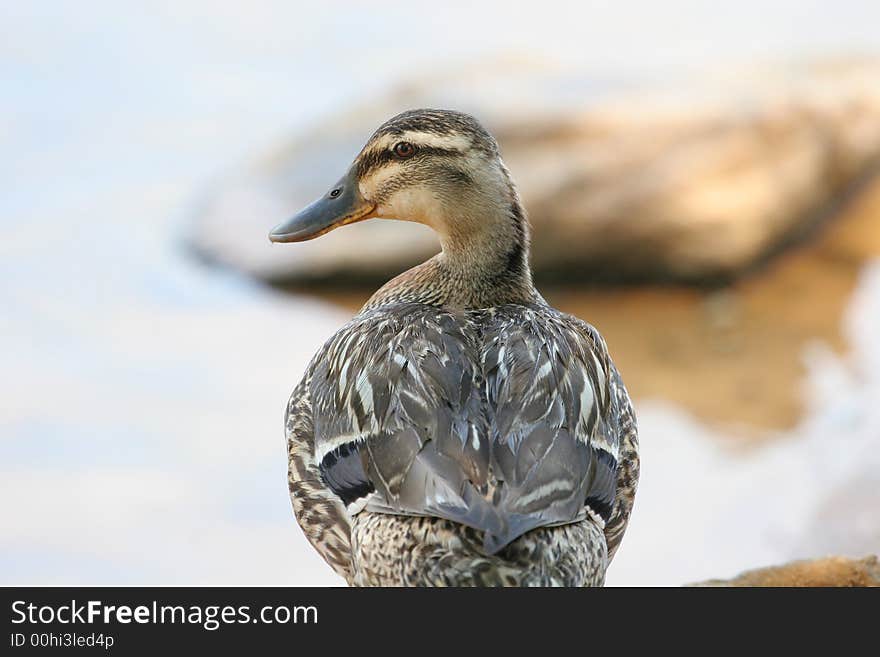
(140, 434)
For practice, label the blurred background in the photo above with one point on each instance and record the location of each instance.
(701, 182)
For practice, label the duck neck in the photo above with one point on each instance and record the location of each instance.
(484, 260)
(487, 262)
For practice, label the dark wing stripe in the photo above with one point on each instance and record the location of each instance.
(343, 472)
(602, 486)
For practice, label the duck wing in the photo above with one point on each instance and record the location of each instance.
(553, 417)
(499, 419)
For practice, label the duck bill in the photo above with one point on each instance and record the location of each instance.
(342, 205)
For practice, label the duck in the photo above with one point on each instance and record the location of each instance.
(459, 430)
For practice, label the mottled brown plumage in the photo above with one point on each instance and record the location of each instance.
(459, 430)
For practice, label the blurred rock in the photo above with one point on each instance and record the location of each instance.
(831, 571)
(691, 182)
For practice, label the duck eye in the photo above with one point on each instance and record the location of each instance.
(404, 149)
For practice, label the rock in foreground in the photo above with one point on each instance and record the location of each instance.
(831, 571)
(691, 183)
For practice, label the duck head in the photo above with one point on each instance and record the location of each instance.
(436, 167)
